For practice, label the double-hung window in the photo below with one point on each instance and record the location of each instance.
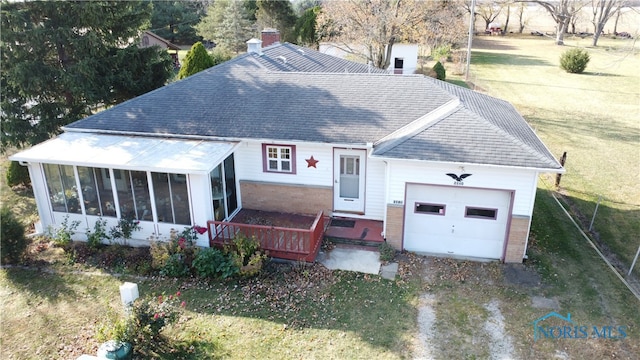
(279, 158)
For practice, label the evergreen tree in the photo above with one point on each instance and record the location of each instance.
(227, 24)
(306, 27)
(175, 20)
(61, 60)
(197, 59)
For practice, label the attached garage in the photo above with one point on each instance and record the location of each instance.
(456, 220)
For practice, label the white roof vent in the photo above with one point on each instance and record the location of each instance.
(254, 46)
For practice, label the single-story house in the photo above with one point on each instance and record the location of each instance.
(148, 39)
(447, 170)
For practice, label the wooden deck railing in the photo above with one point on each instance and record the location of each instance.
(282, 243)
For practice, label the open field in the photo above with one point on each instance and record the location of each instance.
(594, 117)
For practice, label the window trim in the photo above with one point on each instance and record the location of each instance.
(443, 206)
(466, 209)
(265, 159)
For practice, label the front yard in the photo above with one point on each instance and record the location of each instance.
(436, 308)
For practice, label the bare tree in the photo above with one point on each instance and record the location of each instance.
(445, 26)
(370, 28)
(505, 29)
(603, 10)
(489, 11)
(561, 11)
(522, 21)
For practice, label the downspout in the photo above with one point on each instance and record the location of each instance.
(386, 199)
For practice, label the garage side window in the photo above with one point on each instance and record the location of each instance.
(480, 213)
(432, 209)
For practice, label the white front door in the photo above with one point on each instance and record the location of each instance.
(348, 182)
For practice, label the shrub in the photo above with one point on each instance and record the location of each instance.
(441, 73)
(213, 263)
(13, 243)
(63, 234)
(175, 257)
(196, 60)
(574, 60)
(125, 228)
(99, 233)
(17, 175)
(441, 52)
(246, 252)
(387, 252)
(175, 266)
(219, 56)
(147, 318)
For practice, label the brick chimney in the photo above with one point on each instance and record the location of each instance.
(270, 37)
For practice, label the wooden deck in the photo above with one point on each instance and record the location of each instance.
(280, 242)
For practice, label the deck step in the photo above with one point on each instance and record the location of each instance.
(354, 242)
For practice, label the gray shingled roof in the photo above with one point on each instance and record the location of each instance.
(293, 58)
(483, 129)
(263, 97)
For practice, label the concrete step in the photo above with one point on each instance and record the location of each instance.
(354, 242)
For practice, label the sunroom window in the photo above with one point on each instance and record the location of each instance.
(172, 198)
(63, 192)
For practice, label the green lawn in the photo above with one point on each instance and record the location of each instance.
(594, 117)
(289, 312)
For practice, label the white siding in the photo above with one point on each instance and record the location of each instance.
(201, 206)
(248, 160)
(249, 167)
(375, 189)
(521, 180)
(408, 53)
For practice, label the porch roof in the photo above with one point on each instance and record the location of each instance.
(129, 152)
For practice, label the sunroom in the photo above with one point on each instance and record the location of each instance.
(163, 183)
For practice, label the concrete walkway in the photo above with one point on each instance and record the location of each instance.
(364, 261)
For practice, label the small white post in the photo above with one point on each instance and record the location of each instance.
(128, 294)
(634, 261)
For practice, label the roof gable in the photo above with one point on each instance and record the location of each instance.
(483, 130)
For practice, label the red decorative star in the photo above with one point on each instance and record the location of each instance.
(311, 162)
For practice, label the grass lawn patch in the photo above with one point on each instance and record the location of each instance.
(289, 311)
(593, 116)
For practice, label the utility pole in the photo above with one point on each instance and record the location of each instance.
(471, 22)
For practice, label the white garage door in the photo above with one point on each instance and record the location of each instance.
(456, 220)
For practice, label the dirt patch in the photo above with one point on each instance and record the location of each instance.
(501, 344)
(541, 302)
(521, 275)
(426, 324)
